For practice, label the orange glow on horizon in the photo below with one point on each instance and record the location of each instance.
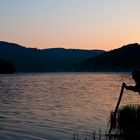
(79, 24)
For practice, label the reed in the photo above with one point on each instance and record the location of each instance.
(85, 135)
(126, 126)
(127, 122)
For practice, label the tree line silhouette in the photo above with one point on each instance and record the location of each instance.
(7, 67)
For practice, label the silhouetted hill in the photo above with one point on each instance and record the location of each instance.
(70, 55)
(122, 59)
(47, 60)
(25, 59)
(7, 67)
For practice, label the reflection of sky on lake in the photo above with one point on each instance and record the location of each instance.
(53, 106)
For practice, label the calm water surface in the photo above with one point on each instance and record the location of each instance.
(53, 106)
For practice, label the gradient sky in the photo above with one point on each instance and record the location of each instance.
(84, 24)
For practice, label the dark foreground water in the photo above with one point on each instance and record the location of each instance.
(54, 106)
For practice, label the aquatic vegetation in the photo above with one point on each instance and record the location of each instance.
(127, 122)
(89, 135)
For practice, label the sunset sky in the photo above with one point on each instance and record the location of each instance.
(83, 24)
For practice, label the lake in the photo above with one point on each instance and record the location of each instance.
(52, 106)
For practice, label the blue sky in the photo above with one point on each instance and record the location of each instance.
(85, 24)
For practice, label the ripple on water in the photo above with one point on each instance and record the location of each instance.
(53, 106)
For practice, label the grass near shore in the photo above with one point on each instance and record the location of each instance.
(125, 127)
(127, 122)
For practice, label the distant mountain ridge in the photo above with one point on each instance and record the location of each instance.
(125, 58)
(25, 59)
(70, 55)
(45, 60)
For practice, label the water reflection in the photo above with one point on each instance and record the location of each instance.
(53, 106)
